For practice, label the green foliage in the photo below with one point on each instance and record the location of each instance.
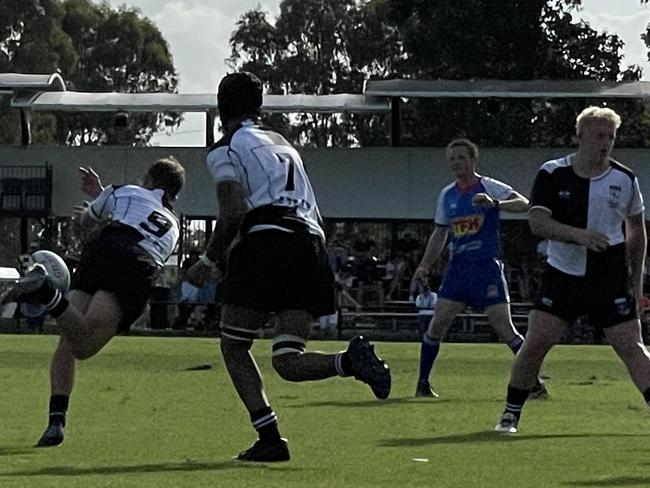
(139, 418)
(331, 47)
(320, 48)
(95, 48)
(546, 42)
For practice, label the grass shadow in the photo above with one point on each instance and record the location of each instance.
(489, 436)
(13, 451)
(143, 468)
(614, 481)
(369, 403)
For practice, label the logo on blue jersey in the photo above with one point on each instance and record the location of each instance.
(467, 225)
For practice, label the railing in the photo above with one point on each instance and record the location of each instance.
(25, 191)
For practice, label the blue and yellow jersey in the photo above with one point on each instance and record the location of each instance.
(474, 231)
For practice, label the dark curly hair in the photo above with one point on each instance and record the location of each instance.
(239, 94)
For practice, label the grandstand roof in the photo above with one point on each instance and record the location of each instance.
(506, 89)
(202, 102)
(48, 92)
(13, 82)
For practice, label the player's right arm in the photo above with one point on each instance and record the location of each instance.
(542, 204)
(543, 224)
(100, 208)
(434, 248)
(232, 208)
(437, 240)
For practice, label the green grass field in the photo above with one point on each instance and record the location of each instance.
(139, 418)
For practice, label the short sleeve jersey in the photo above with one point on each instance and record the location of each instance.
(601, 204)
(271, 173)
(474, 231)
(143, 210)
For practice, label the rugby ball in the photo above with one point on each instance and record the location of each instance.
(55, 267)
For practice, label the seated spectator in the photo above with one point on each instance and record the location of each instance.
(344, 284)
(402, 273)
(426, 304)
(338, 249)
(365, 269)
(190, 294)
(408, 244)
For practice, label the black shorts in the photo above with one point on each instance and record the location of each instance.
(273, 270)
(115, 263)
(605, 297)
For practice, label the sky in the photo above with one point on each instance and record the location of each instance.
(198, 32)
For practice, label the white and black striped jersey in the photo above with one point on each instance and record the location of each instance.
(143, 210)
(272, 175)
(600, 204)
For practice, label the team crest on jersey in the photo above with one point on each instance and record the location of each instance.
(622, 306)
(467, 225)
(614, 196)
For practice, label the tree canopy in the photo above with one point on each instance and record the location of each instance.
(322, 47)
(95, 48)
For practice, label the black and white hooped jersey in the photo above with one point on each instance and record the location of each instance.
(600, 204)
(143, 210)
(273, 177)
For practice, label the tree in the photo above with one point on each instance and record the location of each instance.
(546, 42)
(331, 47)
(95, 48)
(319, 47)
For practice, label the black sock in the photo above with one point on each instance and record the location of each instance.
(266, 424)
(46, 293)
(58, 408)
(345, 366)
(515, 400)
(58, 305)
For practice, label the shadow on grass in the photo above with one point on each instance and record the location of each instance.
(143, 468)
(614, 481)
(369, 403)
(490, 436)
(13, 451)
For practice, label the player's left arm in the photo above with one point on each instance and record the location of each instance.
(515, 202)
(636, 241)
(501, 195)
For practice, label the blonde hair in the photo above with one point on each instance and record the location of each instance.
(472, 148)
(597, 113)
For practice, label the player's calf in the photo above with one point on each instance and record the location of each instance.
(287, 350)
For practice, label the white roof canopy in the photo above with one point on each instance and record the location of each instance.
(45, 92)
(13, 82)
(507, 89)
(202, 102)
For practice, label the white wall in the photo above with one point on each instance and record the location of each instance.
(371, 183)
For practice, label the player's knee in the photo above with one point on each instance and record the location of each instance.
(287, 350)
(236, 339)
(81, 352)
